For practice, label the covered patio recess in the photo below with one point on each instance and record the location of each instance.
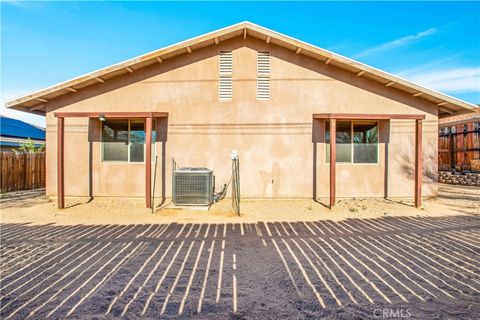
(148, 117)
(333, 117)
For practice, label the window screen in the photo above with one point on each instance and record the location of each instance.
(115, 140)
(343, 140)
(365, 142)
(357, 142)
(124, 140)
(137, 140)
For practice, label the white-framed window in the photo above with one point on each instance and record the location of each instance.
(123, 140)
(225, 83)
(356, 142)
(263, 75)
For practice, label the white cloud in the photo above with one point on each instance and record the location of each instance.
(24, 116)
(461, 79)
(396, 43)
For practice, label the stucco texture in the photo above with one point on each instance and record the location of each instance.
(281, 147)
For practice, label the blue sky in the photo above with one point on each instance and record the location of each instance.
(436, 44)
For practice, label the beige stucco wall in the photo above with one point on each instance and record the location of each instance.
(273, 138)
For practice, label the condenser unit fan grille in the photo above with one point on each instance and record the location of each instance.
(193, 186)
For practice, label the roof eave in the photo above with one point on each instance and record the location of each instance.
(444, 101)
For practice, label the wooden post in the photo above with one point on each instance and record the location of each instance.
(60, 162)
(333, 159)
(418, 163)
(450, 150)
(148, 162)
(314, 171)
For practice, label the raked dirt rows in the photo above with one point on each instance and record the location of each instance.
(349, 269)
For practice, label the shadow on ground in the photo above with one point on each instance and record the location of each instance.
(428, 267)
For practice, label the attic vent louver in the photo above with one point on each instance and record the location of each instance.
(263, 76)
(225, 80)
(263, 63)
(263, 88)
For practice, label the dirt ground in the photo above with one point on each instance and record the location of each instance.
(386, 267)
(37, 209)
(283, 259)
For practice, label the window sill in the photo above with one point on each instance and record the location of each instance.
(354, 164)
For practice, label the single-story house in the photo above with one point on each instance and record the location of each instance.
(274, 99)
(14, 132)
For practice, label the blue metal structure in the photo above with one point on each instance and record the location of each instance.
(13, 131)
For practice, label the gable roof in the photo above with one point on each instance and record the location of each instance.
(35, 102)
(18, 129)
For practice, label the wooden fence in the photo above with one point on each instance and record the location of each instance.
(459, 145)
(22, 171)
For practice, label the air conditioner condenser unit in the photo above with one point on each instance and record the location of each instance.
(193, 186)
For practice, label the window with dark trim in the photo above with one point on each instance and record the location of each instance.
(124, 140)
(356, 141)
